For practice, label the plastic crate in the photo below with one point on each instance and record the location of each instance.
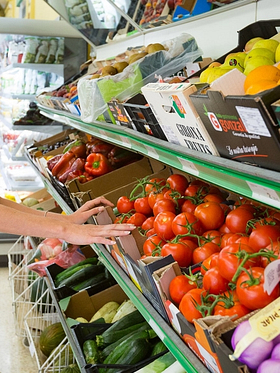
(41, 315)
(143, 118)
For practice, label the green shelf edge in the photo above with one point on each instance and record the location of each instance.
(249, 181)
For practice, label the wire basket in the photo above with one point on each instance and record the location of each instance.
(40, 315)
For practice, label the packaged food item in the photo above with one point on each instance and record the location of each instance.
(31, 46)
(53, 45)
(42, 52)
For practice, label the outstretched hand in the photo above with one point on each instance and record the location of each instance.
(90, 208)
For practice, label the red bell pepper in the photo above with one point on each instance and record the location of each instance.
(63, 163)
(97, 164)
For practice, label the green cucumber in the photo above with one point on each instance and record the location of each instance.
(69, 271)
(82, 274)
(108, 349)
(128, 353)
(158, 348)
(91, 352)
(108, 336)
(94, 280)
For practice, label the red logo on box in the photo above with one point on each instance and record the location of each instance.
(214, 121)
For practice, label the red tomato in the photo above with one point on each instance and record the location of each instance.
(238, 238)
(209, 262)
(231, 307)
(194, 190)
(178, 182)
(218, 198)
(121, 219)
(152, 243)
(188, 206)
(237, 219)
(179, 286)
(186, 223)
(150, 232)
(192, 245)
(154, 184)
(124, 205)
(213, 282)
(163, 225)
(203, 252)
(253, 295)
(176, 197)
(275, 248)
(187, 306)
(181, 253)
(164, 205)
(224, 229)
(229, 262)
(141, 205)
(213, 236)
(137, 219)
(262, 236)
(210, 214)
(153, 197)
(148, 223)
(225, 238)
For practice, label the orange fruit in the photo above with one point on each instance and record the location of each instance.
(265, 72)
(260, 86)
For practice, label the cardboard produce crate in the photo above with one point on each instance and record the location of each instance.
(177, 116)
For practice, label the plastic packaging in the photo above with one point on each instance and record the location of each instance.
(42, 52)
(95, 93)
(31, 45)
(53, 45)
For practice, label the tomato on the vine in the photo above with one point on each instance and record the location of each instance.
(210, 262)
(153, 197)
(264, 235)
(210, 214)
(179, 286)
(213, 197)
(181, 253)
(124, 205)
(141, 205)
(238, 238)
(178, 182)
(188, 304)
(275, 248)
(164, 205)
(237, 219)
(137, 219)
(212, 236)
(154, 184)
(204, 251)
(213, 282)
(151, 244)
(229, 305)
(229, 260)
(189, 205)
(163, 225)
(186, 223)
(148, 223)
(250, 289)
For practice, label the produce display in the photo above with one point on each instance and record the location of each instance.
(86, 160)
(259, 62)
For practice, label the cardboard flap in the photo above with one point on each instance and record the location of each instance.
(232, 83)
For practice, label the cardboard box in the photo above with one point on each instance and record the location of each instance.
(81, 193)
(190, 8)
(177, 116)
(242, 127)
(45, 200)
(84, 305)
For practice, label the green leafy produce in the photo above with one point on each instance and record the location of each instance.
(160, 364)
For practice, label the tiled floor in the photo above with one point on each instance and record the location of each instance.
(14, 356)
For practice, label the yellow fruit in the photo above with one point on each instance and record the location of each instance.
(120, 66)
(205, 73)
(264, 52)
(260, 86)
(155, 47)
(235, 59)
(265, 72)
(217, 72)
(277, 54)
(108, 70)
(249, 45)
(267, 43)
(136, 56)
(255, 62)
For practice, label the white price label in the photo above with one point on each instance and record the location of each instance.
(151, 152)
(266, 194)
(188, 166)
(208, 358)
(271, 276)
(253, 121)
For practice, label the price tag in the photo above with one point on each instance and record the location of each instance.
(271, 276)
(209, 360)
(189, 166)
(265, 193)
(151, 152)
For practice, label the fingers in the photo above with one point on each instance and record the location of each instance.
(97, 202)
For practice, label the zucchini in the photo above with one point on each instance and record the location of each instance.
(91, 352)
(74, 268)
(82, 274)
(125, 322)
(158, 348)
(93, 280)
(102, 340)
(128, 353)
(108, 349)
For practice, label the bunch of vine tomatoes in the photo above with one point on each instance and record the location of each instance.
(232, 240)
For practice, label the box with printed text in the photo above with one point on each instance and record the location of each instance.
(177, 116)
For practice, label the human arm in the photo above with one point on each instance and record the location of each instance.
(22, 220)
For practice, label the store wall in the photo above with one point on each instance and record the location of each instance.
(30, 9)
